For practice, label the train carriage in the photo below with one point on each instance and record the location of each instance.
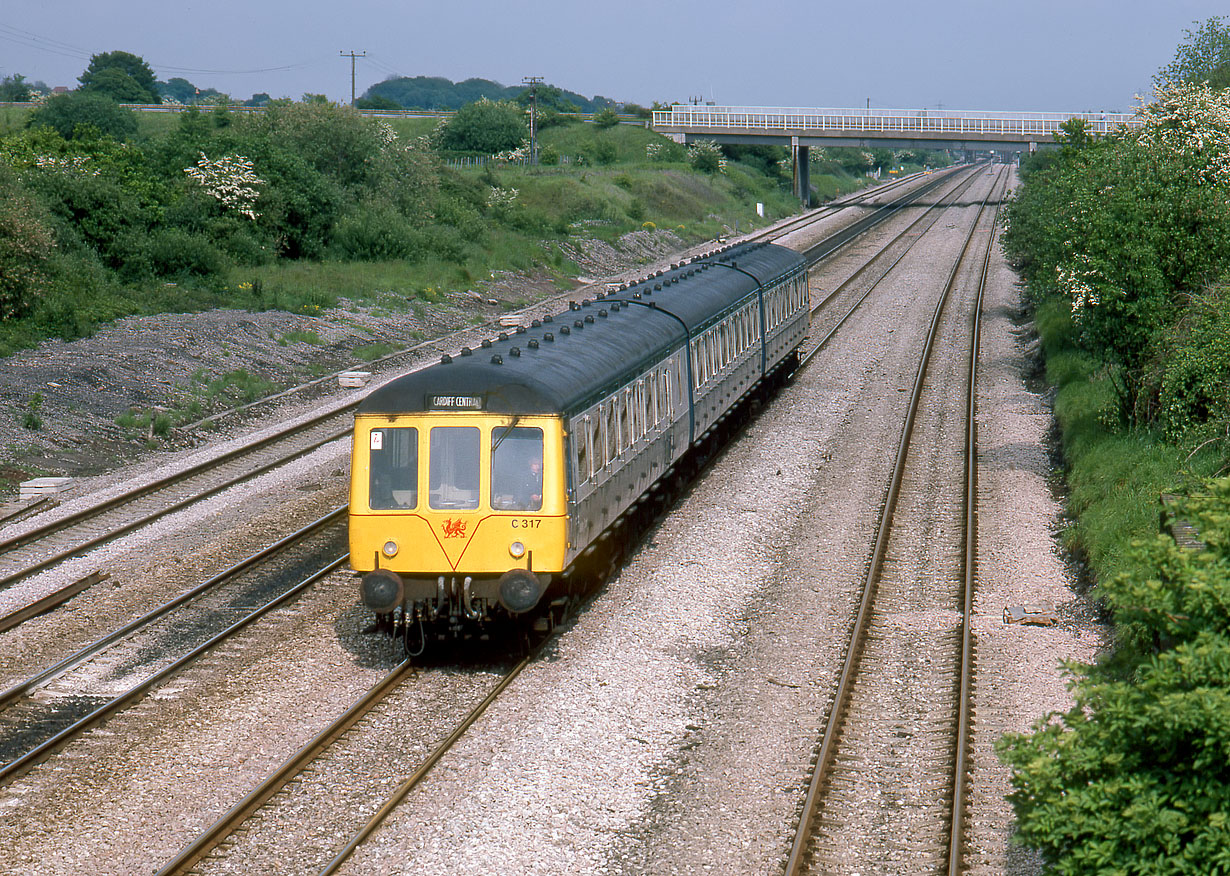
(479, 483)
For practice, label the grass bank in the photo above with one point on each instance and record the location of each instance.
(1115, 475)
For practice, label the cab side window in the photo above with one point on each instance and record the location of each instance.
(394, 479)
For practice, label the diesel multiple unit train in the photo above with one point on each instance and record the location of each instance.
(480, 483)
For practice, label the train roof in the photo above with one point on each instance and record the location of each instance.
(562, 363)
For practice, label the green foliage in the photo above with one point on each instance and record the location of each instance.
(85, 115)
(485, 126)
(178, 89)
(604, 153)
(301, 337)
(15, 89)
(1136, 777)
(25, 247)
(122, 76)
(606, 118)
(1122, 229)
(377, 102)
(376, 232)
(371, 352)
(335, 140)
(437, 93)
(1190, 371)
(705, 156)
(30, 419)
(1204, 56)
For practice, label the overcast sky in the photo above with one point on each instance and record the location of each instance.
(1040, 55)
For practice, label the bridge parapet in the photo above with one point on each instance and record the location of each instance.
(880, 124)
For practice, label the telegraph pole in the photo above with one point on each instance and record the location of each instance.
(352, 56)
(533, 82)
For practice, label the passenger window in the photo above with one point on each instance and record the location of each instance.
(580, 436)
(453, 468)
(394, 479)
(625, 423)
(612, 433)
(596, 447)
(516, 468)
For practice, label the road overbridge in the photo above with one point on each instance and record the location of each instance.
(892, 128)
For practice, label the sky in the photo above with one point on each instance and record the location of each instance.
(1040, 55)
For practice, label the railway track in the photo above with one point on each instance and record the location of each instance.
(354, 714)
(901, 705)
(33, 545)
(150, 649)
(218, 838)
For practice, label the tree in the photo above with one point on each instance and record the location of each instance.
(131, 76)
(178, 89)
(14, 88)
(485, 126)
(377, 102)
(1204, 56)
(75, 113)
(1074, 134)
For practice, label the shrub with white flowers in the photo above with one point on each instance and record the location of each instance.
(231, 180)
(500, 198)
(70, 164)
(1190, 119)
(706, 156)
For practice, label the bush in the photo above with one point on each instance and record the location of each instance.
(1191, 370)
(547, 156)
(705, 156)
(26, 244)
(606, 118)
(67, 113)
(375, 232)
(604, 152)
(173, 252)
(485, 126)
(1134, 778)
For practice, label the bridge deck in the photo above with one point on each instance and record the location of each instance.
(827, 124)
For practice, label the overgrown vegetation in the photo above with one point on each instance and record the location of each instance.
(105, 213)
(1125, 245)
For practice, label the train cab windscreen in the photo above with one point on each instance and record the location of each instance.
(394, 483)
(453, 468)
(516, 469)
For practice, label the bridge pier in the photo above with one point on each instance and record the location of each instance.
(801, 161)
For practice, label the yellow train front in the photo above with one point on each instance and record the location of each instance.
(482, 484)
(453, 511)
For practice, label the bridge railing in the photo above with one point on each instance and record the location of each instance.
(892, 121)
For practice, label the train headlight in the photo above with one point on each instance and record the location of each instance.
(517, 549)
(389, 549)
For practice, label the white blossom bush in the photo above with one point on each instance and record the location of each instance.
(1191, 120)
(500, 198)
(70, 164)
(653, 151)
(521, 153)
(706, 155)
(231, 180)
(386, 134)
